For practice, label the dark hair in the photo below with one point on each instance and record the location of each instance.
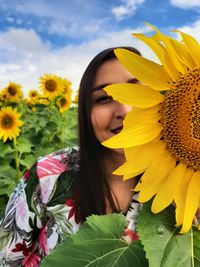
(93, 184)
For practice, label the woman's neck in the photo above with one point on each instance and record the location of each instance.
(120, 189)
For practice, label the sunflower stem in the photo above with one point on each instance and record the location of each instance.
(16, 158)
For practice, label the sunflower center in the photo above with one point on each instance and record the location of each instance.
(12, 90)
(7, 122)
(50, 85)
(63, 102)
(33, 94)
(181, 119)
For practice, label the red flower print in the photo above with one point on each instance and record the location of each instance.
(23, 248)
(42, 243)
(129, 236)
(49, 166)
(74, 203)
(26, 175)
(31, 260)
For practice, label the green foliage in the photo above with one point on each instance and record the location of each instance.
(45, 130)
(98, 243)
(163, 244)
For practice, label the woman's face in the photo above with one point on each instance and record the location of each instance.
(107, 115)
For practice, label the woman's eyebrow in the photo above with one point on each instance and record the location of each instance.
(100, 87)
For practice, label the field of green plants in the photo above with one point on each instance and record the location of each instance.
(33, 126)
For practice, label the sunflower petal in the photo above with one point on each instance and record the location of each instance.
(138, 116)
(133, 137)
(146, 71)
(193, 47)
(168, 188)
(154, 176)
(135, 95)
(139, 159)
(169, 46)
(162, 55)
(180, 196)
(192, 202)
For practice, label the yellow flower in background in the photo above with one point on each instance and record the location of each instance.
(161, 135)
(13, 92)
(75, 101)
(33, 94)
(9, 123)
(51, 85)
(63, 103)
(43, 101)
(67, 87)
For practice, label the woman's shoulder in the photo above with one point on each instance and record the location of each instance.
(56, 173)
(57, 162)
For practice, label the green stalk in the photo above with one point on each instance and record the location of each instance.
(16, 158)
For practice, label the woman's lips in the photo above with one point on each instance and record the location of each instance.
(117, 130)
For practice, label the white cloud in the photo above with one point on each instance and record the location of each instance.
(28, 57)
(192, 30)
(126, 9)
(185, 4)
(10, 19)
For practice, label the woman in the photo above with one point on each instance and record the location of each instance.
(57, 194)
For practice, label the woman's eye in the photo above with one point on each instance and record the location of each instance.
(104, 99)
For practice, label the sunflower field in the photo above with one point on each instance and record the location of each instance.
(32, 126)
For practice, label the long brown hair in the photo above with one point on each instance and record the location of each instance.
(93, 184)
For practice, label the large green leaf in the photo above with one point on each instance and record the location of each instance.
(163, 244)
(98, 243)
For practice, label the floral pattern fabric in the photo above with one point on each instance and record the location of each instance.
(44, 209)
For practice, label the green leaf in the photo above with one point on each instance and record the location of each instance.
(7, 185)
(163, 244)
(98, 243)
(5, 149)
(3, 202)
(24, 145)
(27, 161)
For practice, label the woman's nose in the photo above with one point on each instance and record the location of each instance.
(122, 110)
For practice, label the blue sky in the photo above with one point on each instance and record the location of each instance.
(62, 36)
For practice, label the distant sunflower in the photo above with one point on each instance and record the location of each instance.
(9, 123)
(161, 135)
(63, 103)
(33, 94)
(13, 92)
(67, 87)
(51, 85)
(43, 101)
(75, 101)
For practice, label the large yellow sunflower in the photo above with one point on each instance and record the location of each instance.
(63, 103)
(13, 92)
(9, 123)
(161, 135)
(51, 85)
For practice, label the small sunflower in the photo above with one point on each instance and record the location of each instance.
(63, 103)
(9, 123)
(13, 92)
(33, 94)
(161, 135)
(51, 85)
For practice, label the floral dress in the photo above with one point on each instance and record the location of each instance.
(44, 209)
